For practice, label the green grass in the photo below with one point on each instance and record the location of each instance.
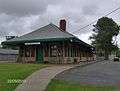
(15, 71)
(59, 85)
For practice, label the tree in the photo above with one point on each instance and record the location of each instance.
(118, 53)
(102, 38)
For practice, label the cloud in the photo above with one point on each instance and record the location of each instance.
(22, 7)
(90, 9)
(85, 37)
(11, 25)
(18, 17)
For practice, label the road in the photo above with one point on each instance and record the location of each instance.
(105, 73)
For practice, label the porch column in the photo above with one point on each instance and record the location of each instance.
(49, 55)
(63, 52)
(24, 49)
(36, 53)
(19, 55)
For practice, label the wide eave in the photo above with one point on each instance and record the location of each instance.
(48, 33)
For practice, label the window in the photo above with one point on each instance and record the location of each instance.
(21, 52)
(59, 51)
(83, 54)
(32, 52)
(80, 55)
(27, 52)
(76, 52)
(73, 52)
(46, 51)
(53, 50)
(66, 51)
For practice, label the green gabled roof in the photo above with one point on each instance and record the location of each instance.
(47, 33)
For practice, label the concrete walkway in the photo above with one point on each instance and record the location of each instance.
(40, 79)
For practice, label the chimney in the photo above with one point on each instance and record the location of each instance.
(63, 24)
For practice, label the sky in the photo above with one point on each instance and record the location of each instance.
(18, 17)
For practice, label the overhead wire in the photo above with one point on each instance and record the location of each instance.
(96, 20)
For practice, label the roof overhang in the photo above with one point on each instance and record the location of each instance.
(21, 42)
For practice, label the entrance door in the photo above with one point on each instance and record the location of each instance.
(39, 55)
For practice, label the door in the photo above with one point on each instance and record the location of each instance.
(39, 55)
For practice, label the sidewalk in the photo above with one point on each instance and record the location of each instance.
(39, 80)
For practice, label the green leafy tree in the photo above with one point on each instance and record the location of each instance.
(118, 53)
(102, 38)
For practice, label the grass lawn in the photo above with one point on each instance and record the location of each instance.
(15, 71)
(58, 85)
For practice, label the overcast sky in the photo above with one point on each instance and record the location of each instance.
(18, 17)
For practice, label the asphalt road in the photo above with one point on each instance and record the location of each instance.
(105, 73)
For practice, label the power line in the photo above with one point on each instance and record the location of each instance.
(97, 19)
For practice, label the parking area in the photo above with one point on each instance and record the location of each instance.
(105, 73)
